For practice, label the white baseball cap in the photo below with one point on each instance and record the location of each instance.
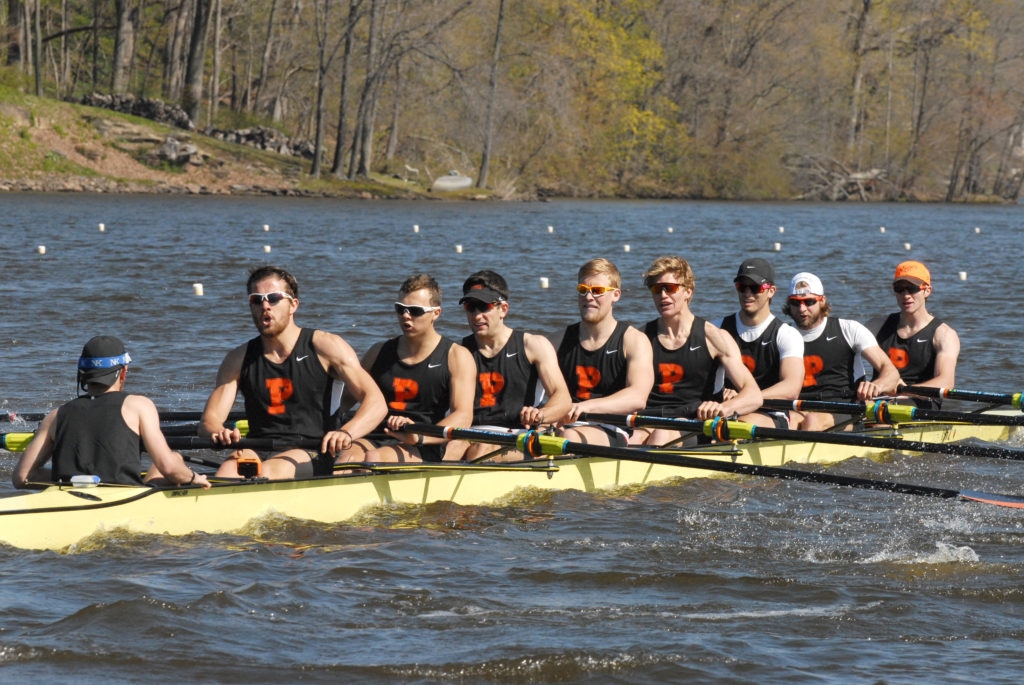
(806, 283)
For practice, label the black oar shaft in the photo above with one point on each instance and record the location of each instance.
(1012, 399)
(850, 439)
(560, 446)
(894, 413)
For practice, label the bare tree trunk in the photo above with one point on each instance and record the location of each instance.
(124, 43)
(193, 96)
(96, 4)
(64, 74)
(396, 108)
(492, 90)
(339, 144)
(37, 47)
(858, 51)
(218, 28)
(15, 50)
(173, 72)
(267, 47)
(322, 10)
(368, 99)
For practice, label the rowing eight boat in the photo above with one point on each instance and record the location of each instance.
(61, 516)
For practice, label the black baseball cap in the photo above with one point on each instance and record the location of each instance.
(102, 359)
(758, 270)
(482, 294)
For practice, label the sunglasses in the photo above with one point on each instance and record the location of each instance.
(659, 288)
(476, 306)
(753, 288)
(906, 288)
(595, 290)
(272, 298)
(413, 310)
(805, 301)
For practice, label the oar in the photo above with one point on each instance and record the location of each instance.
(722, 429)
(1012, 399)
(887, 412)
(17, 442)
(534, 444)
(9, 416)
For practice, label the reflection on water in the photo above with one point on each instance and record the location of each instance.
(722, 580)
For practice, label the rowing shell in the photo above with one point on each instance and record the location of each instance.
(60, 516)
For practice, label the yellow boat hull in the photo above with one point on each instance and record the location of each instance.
(58, 517)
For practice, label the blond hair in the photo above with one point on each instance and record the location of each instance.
(677, 266)
(600, 267)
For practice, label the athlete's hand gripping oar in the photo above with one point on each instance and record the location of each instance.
(1010, 398)
(537, 445)
(18, 442)
(887, 412)
(722, 429)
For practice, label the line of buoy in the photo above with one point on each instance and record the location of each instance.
(415, 228)
(197, 289)
(881, 229)
(41, 249)
(551, 229)
(625, 248)
(963, 275)
(266, 248)
(670, 229)
(906, 246)
(782, 229)
(543, 281)
(266, 227)
(102, 228)
(778, 247)
(977, 229)
(458, 249)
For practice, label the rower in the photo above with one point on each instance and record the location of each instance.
(834, 353)
(773, 351)
(923, 348)
(102, 432)
(424, 377)
(286, 375)
(519, 384)
(606, 363)
(688, 351)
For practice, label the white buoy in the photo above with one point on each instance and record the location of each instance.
(266, 228)
(415, 228)
(102, 228)
(670, 229)
(778, 247)
(782, 229)
(977, 229)
(625, 248)
(551, 229)
(197, 289)
(906, 246)
(963, 275)
(41, 249)
(543, 281)
(881, 229)
(458, 249)
(266, 248)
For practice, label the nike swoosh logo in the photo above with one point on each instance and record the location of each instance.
(511, 354)
(433, 366)
(299, 359)
(831, 339)
(694, 349)
(611, 351)
(920, 341)
(766, 342)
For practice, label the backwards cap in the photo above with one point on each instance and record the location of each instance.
(102, 359)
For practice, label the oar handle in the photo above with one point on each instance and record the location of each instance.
(881, 411)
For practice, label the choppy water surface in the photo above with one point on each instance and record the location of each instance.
(704, 580)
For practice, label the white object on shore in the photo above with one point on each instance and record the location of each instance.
(453, 180)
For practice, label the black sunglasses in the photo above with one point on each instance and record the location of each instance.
(908, 288)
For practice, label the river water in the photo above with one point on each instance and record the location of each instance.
(706, 580)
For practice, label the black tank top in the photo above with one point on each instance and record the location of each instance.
(593, 374)
(761, 356)
(90, 437)
(828, 365)
(684, 377)
(287, 400)
(914, 357)
(505, 383)
(420, 391)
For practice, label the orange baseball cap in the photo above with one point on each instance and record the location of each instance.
(915, 272)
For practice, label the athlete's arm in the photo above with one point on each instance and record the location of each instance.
(30, 465)
(791, 366)
(219, 404)
(747, 397)
(342, 364)
(462, 367)
(541, 353)
(639, 380)
(887, 375)
(947, 350)
(140, 415)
